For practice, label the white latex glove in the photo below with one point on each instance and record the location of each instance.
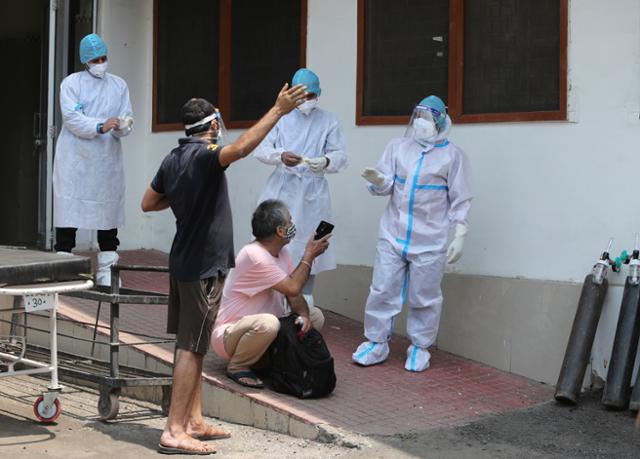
(454, 252)
(124, 123)
(373, 176)
(317, 164)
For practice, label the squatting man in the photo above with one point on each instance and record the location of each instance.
(261, 288)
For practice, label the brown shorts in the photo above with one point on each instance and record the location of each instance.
(192, 311)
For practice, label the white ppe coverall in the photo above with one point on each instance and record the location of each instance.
(306, 193)
(88, 171)
(430, 192)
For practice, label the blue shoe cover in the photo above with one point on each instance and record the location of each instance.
(417, 359)
(370, 353)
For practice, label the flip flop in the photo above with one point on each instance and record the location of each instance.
(213, 437)
(246, 374)
(169, 450)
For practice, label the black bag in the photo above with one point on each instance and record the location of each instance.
(300, 366)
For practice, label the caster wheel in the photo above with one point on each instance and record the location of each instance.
(46, 413)
(166, 400)
(109, 404)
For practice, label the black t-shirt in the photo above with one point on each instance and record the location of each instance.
(195, 184)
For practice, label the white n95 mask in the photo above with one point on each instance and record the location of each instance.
(307, 106)
(424, 131)
(98, 70)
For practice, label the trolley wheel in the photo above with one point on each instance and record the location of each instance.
(166, 400)
(46, 413)
(109, 404)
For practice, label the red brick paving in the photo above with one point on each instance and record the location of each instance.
(383, 399)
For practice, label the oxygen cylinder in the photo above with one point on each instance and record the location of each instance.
(617, 387)
(634, 403)
(583, 331)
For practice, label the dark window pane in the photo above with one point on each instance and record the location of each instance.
(265, 53)
(511, 56)
(80, 24)
(406, 55)
(187, 55)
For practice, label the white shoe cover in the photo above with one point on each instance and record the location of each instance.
(67, 254)
(105, 260)
(370, 353)
(417, 359)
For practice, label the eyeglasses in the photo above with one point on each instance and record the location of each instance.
(98, 60)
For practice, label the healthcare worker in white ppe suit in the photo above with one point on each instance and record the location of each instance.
(88, 172)
(304, 146)
(429, 183)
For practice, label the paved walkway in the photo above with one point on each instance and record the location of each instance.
(79, 434)
(383, 400)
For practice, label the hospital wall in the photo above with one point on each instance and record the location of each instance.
(548, 195)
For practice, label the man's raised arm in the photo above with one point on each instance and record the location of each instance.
(288, 99)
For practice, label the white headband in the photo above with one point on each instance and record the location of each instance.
(201, 122)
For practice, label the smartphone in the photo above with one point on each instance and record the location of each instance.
(323, 229)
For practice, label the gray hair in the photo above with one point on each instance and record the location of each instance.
(267, 217)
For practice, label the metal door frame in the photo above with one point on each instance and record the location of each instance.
(47, 214)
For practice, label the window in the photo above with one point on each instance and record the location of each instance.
(186, 58)
(235, 53)
(490, 60)
(80, 24)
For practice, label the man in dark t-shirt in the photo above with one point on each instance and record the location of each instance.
(191, 181)
(194, 182)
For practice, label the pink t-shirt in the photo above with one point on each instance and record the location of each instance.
(248, 291)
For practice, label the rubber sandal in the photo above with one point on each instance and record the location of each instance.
(169, 450)
(246, 374)
(213, 437)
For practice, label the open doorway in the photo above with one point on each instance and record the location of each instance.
(76, 19)
(31, 118)
(23, 51)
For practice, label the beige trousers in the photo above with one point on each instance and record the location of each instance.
(248, 339)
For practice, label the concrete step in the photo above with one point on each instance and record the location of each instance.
(220, 397)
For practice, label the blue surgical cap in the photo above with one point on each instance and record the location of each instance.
(91, 47)
(437, 108)
(309, 79)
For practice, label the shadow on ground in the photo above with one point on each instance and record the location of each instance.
(587, 430)
(17, 430)
(134, 433)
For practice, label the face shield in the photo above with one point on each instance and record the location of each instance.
(221, 135)
(425, 124)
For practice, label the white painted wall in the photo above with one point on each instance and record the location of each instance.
(126, 27)
(548, 195)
